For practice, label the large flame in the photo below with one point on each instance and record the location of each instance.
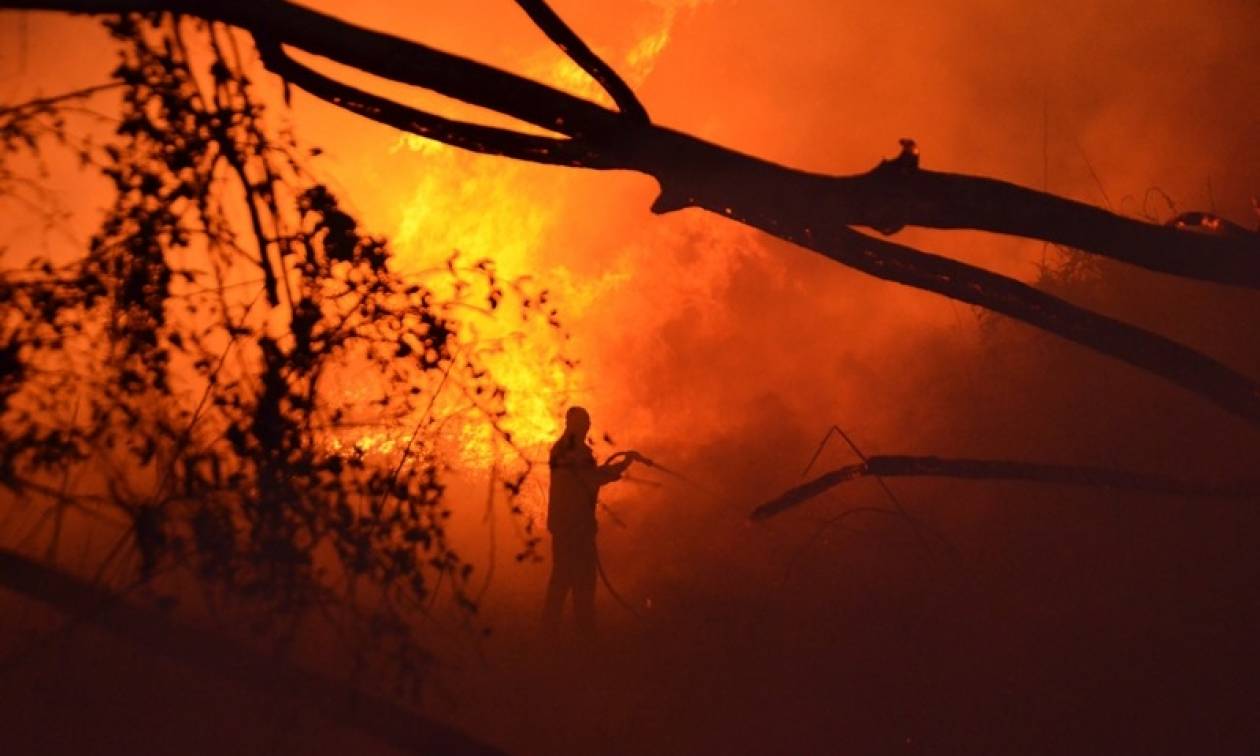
(496, 211)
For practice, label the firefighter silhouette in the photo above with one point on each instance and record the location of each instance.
(575, 482)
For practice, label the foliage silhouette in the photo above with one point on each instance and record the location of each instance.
(232, 336)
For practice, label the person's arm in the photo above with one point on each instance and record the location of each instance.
(583, 468)
(615, 465)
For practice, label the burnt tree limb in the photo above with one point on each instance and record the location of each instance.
(896, 465)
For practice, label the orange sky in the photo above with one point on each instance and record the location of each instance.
(697, 334)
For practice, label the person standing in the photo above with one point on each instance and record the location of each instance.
(572, 495)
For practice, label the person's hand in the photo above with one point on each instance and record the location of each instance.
(630, 455)
(637, 457)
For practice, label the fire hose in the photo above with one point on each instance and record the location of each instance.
(599, 564)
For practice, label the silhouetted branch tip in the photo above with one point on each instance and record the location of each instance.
(40, 103)
(572, 45)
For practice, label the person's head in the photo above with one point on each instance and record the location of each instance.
(577, 422)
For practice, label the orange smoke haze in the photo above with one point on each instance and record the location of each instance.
(725, 353)
(694, 331)
(686, 322)
(695, 334)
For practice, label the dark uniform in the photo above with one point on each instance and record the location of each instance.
(575, 484)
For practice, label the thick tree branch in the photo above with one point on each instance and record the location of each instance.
(889, 466)
(374, 52)
(897, 193)
(487, 140)
(887, 198)
(1156, 354)
(789, 206)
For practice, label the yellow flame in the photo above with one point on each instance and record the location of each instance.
(641, 59)
(494, 209)
(637, 64)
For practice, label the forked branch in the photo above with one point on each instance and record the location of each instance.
(572, 45)
(475, 137)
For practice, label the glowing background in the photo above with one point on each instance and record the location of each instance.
(728, 353)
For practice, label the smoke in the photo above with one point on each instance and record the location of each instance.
(727, 355)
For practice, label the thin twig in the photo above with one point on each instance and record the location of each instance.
(40, 103)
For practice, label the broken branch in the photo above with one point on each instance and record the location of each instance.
(989, 469)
